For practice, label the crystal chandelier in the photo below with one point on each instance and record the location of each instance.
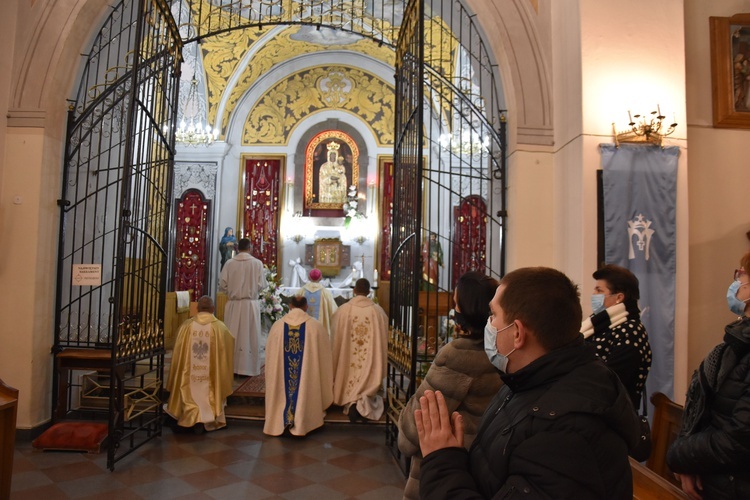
(194, 133)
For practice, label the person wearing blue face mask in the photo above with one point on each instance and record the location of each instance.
(711, 453)
(561, 426)
(460, 370)
(615, 328)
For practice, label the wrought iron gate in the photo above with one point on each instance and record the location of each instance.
(114, 226)
(449, 159)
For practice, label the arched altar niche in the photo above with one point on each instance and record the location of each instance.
(331, 166)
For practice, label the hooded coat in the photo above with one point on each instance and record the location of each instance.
(561, 427)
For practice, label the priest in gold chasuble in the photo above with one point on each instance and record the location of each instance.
(200, 375)
(360, 352)
(299, 377)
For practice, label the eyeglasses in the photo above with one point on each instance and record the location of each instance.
(738, 273)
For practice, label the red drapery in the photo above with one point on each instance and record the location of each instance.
(191, 246)
(470, 237)
(386, 210)
(261, 207)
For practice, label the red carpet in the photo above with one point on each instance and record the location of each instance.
(73, 436)
(252, 387)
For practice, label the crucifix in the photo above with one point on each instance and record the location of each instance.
(192, 208)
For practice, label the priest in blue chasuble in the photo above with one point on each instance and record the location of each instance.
(320, 303)
(299, 374)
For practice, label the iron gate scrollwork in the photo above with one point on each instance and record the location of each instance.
(449, 159)
(114, 226)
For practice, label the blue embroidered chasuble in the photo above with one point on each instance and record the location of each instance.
(294, 346)
(313, 303)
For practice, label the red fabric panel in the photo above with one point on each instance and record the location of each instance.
(191, 246)
(261, 210)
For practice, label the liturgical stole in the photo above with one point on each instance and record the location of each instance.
(294, 347)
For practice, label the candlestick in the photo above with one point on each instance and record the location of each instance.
(375, 275)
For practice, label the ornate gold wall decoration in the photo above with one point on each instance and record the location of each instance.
(301, 94)
(282, 48)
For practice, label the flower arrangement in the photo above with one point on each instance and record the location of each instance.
(271, 307)
(350, 206)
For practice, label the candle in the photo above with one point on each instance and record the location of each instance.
(375, 275)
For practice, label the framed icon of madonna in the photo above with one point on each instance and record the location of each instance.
(331, 166)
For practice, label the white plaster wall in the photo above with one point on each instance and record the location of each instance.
(718, 177)
(631, 61)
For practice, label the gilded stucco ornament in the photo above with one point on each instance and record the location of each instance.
(301, 94)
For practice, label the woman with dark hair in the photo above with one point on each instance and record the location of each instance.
(711, 453)
(461, 371)
(615, 328)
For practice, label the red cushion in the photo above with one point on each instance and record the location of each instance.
(73, 436)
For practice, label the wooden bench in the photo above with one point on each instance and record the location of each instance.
(648, 485)
(664, 430)
(8, 415)
(67, 360)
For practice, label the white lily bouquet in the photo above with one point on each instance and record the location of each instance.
(350, 205)
(271, 307)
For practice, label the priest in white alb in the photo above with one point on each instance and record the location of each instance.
(299, 379)
(320, 303)
(360, 352)
(243, 279)
(200, 374)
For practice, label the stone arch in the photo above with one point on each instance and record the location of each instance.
(51, 61)
(525, 67)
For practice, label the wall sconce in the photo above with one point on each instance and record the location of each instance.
(297, 228)
(645, 129)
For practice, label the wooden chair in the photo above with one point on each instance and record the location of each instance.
(664, 430)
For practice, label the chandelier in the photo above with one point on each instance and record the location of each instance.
(466, 143)
(194, 133)
(645, 129)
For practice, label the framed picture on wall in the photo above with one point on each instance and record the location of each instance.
(331, 166)
(730, 70)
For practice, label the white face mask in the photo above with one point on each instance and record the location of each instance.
(499, 361)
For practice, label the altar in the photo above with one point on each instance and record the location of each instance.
(346, 293)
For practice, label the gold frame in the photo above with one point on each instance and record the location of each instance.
(328, 244)
(311, 170)
(725, 113)
(239, 228)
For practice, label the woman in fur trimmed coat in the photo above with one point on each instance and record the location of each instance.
(461, 370)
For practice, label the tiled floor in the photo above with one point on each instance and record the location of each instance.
(338, 461)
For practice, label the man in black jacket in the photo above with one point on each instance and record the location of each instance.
(560, 427)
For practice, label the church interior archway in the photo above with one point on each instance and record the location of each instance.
(268, 79)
